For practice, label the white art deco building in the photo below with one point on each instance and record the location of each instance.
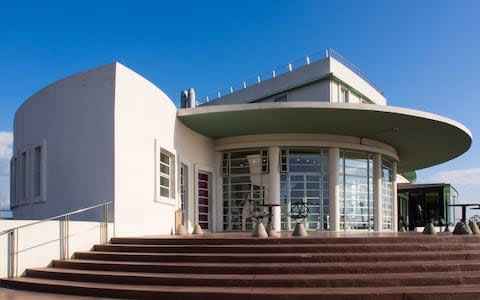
(316, 131)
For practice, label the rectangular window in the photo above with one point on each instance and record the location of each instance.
(37, 171)
(166, 174)
(183, 186)
(283, 163)
(23, 180)
(343, 95)
(203, 200)
(13, 182)
(282, 98)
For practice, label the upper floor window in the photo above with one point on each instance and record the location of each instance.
(166, 174)
(37, 171)
(282, 98)
(343, 95)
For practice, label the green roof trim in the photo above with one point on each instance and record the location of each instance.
(421, 139)
(410, 176)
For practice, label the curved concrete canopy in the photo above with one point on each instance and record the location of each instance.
(421, 139)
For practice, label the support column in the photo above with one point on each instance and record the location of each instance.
(274, 184)
(394, 197)
(377, 192)
(333, 188)
(218, 193)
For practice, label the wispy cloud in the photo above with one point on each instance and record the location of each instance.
(461, 177)
(6, 141)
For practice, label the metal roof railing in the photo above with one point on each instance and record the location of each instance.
(278, 71)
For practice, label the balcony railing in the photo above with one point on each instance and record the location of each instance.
(285, 69)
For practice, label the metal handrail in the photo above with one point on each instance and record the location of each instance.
(298, 63)
(56, 217)
(64, 235)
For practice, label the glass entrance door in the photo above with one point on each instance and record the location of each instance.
(304, 181)
(306, 189)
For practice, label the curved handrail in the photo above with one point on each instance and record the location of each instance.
(55, 217)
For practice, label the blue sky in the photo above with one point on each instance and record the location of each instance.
(423, 54)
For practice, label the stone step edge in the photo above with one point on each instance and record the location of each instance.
(176, 292)
(297, 277)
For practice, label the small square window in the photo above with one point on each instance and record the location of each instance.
(282, 98)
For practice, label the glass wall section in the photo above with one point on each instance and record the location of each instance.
(245, 174)
(304, 179)
(356, 190)
(387, 194)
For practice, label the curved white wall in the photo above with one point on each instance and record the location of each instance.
(72, 120)
(101, 132)
(145, 122)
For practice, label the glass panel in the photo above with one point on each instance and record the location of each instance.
(164, 182)
(164, 158)
(240, 186)
(356, 197)
(164, 169)
(164, 192)
(387, 195)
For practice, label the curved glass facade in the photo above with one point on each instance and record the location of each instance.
(387, 194)
(304, 178)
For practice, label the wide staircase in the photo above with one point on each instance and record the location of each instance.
(407, 266)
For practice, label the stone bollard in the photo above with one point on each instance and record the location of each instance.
(474, 227)
(197, 230)
(429, 229)
(260, 231)
(299, 230)
(460, 228)
(181, 230)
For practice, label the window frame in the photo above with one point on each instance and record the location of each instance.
(160, 196)
(346, 92)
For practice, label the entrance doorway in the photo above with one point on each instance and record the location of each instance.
(305, 182)
(204, 200)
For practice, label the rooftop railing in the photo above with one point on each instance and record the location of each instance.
(296, 64)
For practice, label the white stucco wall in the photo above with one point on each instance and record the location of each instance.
(318, 91)
(198, 154)
(39, 244)
(348, 76)
(72, 120)
(287, 81)
(145, 122)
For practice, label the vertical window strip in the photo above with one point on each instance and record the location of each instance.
(13, 181)
(23, 181)
(37, 172)
(167, 174)
(203, 200)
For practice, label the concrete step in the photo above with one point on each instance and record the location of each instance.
(450, 292)
(272, 268)
(279, 257)
(395, 238)
(286, 248)
(326, 266)
(262, 280)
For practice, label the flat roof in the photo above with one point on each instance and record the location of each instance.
(413, 186)
(421, 139)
